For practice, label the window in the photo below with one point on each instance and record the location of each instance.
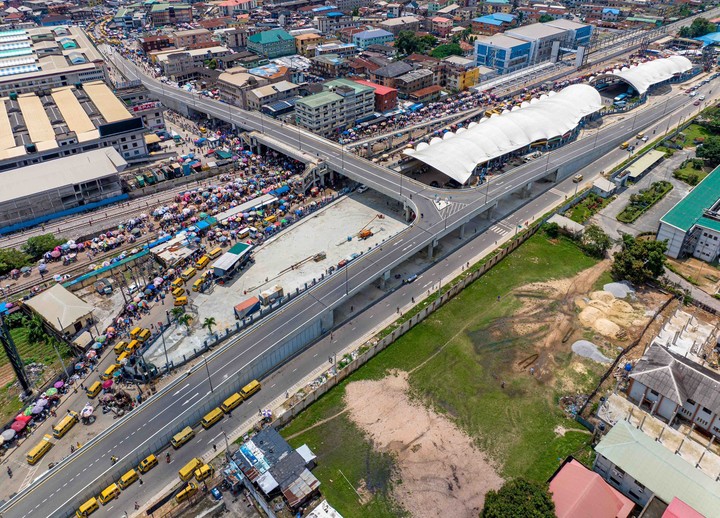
(691, 401)
(706, 410)
(633, 496)
(639, 487)
(654, 393)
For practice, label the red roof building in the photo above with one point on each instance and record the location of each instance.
(385, 97)
(679, 509)
(578, 491)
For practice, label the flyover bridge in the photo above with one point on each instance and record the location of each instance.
(259, 349)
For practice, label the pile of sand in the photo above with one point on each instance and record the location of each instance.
(606, 314)
(441, 471)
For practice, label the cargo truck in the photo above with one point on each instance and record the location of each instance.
(247, 307)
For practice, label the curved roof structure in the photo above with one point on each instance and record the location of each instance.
(643, 76)
(550, 116)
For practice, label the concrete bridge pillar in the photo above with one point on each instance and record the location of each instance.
(383, 279)
(490, 211)
(327, 321)
(431, 249)
(526, 191)
(462, 230)
(407, 212)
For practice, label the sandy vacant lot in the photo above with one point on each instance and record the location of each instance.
(441, 471)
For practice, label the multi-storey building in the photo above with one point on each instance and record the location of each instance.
(272, 44)
(338, 107)
(372, 37)
(193, 39)
(44, 58)
(53, 123)
(170, 14)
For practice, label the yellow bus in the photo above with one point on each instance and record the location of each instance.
(231, 402)
(188, 274)
(65, 424)
(215, 252)
(188, 470)
(202, 262)
(128, 478)
(177, 283)
(211, 418)
(119, 347)
(93, 390)
(135, 332)
(144, 335)
(182, 437)
(38, 451)
(147, 463)
(250, 389)
(87, 508)
(203, 472)
(186, 493)
(109, 493)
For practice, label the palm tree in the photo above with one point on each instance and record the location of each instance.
(184, 320)
(177, 313)
(209, 323)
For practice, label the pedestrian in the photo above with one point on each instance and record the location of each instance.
(214, 447)
(137, 506)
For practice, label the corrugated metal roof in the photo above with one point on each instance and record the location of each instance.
(665, 474)
(689, 211)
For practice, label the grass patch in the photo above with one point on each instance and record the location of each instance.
(693, 132)
(589, 206)
(474, 349)
(605, 278)
(692, 172)
(643, 200)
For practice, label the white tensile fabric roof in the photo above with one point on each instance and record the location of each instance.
(550, 116)
(643, 76)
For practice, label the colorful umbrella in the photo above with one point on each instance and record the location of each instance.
(28, 411)
(37, 410)
(90, 354)
(24, 418)
(107, 384)
(8, 435)
(59, 384)
(51, 391)
(18, 426)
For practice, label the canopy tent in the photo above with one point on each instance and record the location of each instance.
(550, 116)
(643, 76)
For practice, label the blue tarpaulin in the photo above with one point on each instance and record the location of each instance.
(280, 190)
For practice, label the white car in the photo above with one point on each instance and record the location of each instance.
(362, 188)
(645, 138)
(701, 98)
(132, 289)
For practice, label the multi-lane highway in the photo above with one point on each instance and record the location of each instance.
(170, 409)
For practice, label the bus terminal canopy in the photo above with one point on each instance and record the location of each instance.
(551, 116)
(643, 76)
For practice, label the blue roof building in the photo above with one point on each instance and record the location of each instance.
(502, 53)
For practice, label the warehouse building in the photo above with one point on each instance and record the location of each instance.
(47, 57)
(40, 192)
(45, 125)
(692, 226)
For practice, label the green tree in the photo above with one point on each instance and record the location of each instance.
(552, 229)
(519, 498)
(177, 313)
(184, 320)
(545, 18)
(36, 246)
(11, 258)
(407, 42)
(356, 12)
(699, 27)
(639, 261)
(595, 242)
(209, 323)
(449, 49)
(710, 151)
(36, 330)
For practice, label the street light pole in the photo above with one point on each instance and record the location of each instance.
(346, 279)
(208, 373)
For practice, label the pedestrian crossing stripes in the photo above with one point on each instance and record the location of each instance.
(500, 230)
(451, 208)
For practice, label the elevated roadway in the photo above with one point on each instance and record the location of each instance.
(184, 401)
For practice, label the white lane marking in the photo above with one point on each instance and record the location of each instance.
(190, 398)
(180, 390)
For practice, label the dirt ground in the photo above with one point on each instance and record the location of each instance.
(439, 468)
(705, 275)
